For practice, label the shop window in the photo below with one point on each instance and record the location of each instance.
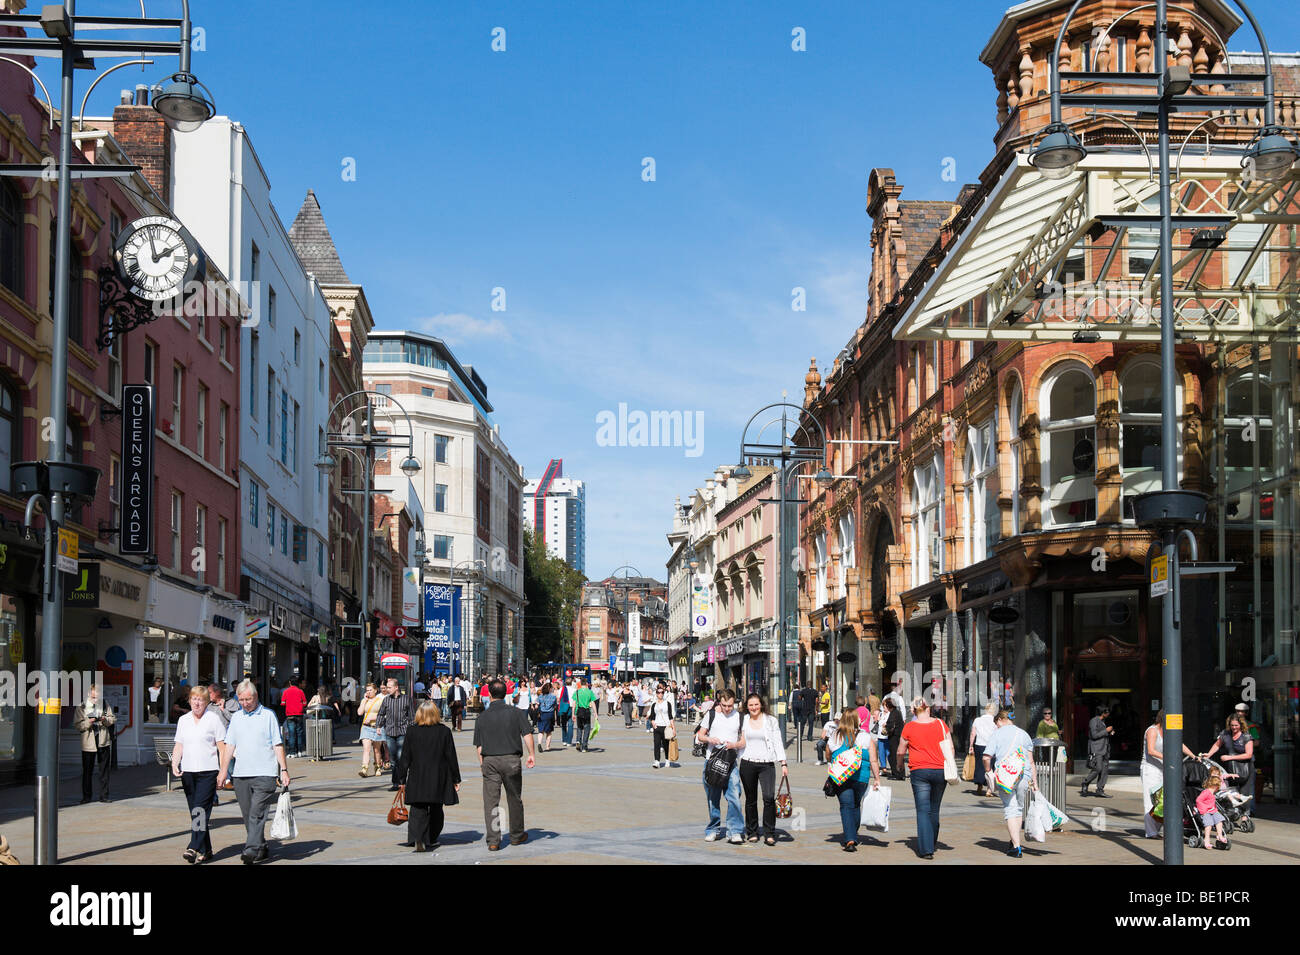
(1015, 449)
(1248, 446)
(848, 550)
(983, 520)
(165, 676)
(927, 556)
(1139, 405)
(12, 259)
(11, 432)
(1069, 447)
(819, 544)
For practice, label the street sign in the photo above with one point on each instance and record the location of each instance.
(68, 549)
(136, 536)
(1159, 575)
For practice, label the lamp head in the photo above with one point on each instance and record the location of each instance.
(411, 466)
(741, 473)
(1270, 155)
(824, 478)
(1058, 152)
(184, 103)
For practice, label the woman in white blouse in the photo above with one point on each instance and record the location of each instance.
(196, 757)
(764, 749)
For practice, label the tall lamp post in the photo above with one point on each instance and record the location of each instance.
(184, 105)
(626, 654)
(367, 441)
(788, 453)
(1269, 155)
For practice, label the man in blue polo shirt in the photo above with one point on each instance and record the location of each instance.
(254, 734)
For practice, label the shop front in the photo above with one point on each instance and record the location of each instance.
(20, 570)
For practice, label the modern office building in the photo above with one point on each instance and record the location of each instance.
(556, 508)
(470, 487)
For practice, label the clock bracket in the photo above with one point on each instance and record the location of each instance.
(119, 310)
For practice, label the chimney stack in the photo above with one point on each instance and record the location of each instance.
(146, 139)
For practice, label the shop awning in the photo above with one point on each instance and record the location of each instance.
(1055, 257)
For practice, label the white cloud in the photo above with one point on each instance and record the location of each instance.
(457, 328)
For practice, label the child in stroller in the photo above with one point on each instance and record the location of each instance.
(1232, 803)
(1196, 773)
(1207, 807)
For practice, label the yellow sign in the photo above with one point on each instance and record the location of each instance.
(50, 707)
(1173, 721)
(69, 548)
(1159, 575)
(15, 648)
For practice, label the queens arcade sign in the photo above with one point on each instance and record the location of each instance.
(137, 469)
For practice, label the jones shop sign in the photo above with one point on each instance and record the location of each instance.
(137, 469)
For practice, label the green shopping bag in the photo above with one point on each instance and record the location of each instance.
(595, 728)
(1158, 803)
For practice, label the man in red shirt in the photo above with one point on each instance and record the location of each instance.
(295, 706)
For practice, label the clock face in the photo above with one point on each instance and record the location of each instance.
(156, 256)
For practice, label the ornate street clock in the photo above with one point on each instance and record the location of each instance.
(156, 257)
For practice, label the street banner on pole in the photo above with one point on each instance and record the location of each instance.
(439, 614)
(634, 630)
(136, 535)
(411, 596)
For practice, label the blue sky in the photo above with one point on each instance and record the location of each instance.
(523, 170)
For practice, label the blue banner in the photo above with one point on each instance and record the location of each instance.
(441, 628)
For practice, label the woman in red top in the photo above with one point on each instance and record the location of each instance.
(921, 738)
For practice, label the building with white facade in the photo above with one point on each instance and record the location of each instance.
(470, 487)
(225, 199)
(556, 508)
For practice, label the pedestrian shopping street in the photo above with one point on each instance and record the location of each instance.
(606, 806)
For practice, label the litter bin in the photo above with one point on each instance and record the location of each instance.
(320, 733)
(1049, 764)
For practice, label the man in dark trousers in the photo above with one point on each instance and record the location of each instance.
(1098, 752)
(500, 734)
(797, 709)
(458, 697)
(810, 709)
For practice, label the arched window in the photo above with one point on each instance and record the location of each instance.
(1139, 408)
(11, 431)
(819, 543)
(1069, 425)
(1014, 408)
(927, 555)
(11, 243)
(983, 521)
(848, 553)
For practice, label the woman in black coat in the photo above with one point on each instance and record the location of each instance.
(428, 764)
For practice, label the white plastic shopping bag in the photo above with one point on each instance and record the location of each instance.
(1036, 820)
(1056, 818)
(283, 827)
(875, 809)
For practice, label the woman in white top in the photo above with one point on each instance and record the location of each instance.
(1152, 774)
(196, 757)
(981, 731)
(661, 718)
(764, 749)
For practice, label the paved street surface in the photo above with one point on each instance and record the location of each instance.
(607, 806)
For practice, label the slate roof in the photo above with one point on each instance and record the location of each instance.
(312, 241)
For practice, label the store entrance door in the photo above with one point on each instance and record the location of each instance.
(1105, 665)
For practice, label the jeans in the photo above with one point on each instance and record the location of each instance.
(821, 750)
(293, 735)
(200, 792)
(584, 729)
(714, 796)
(256, 795)
(882, 751)
(850, 798)
(395, 754)
(752, 777)
(566, 728)
(927, 792)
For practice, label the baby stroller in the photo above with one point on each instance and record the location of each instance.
(1234, 806)
(1195, 772)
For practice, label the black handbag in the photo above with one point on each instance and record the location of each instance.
(717, 771)
(831, 788)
